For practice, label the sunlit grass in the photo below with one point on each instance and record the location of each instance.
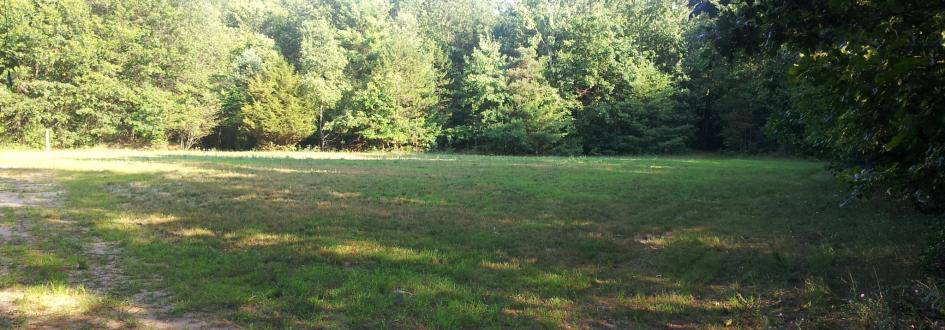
(56, 300)
(376, 240)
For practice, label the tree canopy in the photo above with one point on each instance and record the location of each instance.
(878, 71)
(859, 83)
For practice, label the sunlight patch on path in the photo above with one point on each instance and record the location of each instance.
(86, 301)
(30, 190)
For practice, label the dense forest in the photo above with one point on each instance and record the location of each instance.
(529, 77)
(859, 83)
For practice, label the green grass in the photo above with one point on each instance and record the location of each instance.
(448, 241)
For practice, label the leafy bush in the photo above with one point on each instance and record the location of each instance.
(934, 255)
(878, 65)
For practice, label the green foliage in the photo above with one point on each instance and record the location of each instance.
(645, 120)
(880, 67)
(194, 116)
(934, 254)
(737, 105)
(519, 77)
(544, 116)
(484, 94)
(111, 72)
(623, 71)
(21, 119)
(510, 107)
(394, 99)
(323, 62)
(273, 113)
(378, 74)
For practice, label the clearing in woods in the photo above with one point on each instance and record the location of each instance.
(220, 240)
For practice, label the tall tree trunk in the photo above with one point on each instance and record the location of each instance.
(321, 130)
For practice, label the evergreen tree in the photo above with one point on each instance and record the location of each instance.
(394, 102)
(484, 95)
(273, 112)
(536, 106)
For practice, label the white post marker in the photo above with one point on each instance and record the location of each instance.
(47, 140)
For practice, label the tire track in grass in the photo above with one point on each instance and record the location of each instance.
(92, 283)
(16, 194)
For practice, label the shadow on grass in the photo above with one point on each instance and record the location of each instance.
(383, 245)
(36, 289)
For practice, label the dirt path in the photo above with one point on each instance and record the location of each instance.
(12, 196)
(103, 276)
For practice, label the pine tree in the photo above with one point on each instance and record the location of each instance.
(484, 94)
(544, 115)
(273, 112)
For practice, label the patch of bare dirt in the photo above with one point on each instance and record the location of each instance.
(28, 190)
(17, 192)
(24, 190)
(7, 311)
(15, 232)
(653, 240)
(150, 309)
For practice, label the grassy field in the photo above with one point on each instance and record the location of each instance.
(313, 240)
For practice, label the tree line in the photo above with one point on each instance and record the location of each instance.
(524, 77)
(855, 82)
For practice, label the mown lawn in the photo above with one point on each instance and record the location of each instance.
(309, 240)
